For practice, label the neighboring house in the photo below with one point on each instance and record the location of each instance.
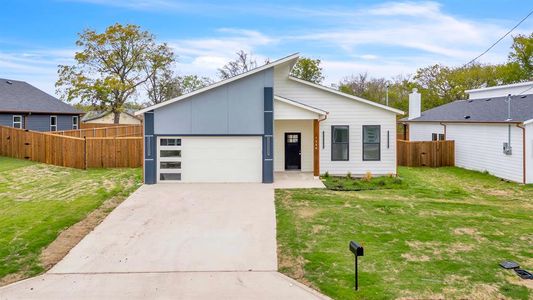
(25, 106)
(490, 132)
(245, 128)
(105, 117)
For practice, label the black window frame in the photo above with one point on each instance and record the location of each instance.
(442, 137)
(347, 143)
(434, 137)
(54, 126)
(363, 142)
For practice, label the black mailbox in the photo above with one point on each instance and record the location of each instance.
(357, 251)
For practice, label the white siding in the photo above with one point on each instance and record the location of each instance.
(529, 153)
(303, 126)
(479, 147)
(423, 131)
(285, 111)
(344, 111)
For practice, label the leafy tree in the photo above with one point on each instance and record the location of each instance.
(191, 83)
(169, 86)
(112, 66)
(243, 63)
(522, 56)
(308, 69)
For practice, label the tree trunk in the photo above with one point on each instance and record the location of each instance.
(116, 117)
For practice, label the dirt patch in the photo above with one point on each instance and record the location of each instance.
(67, 239)
(469, 231)
(418, 258)
(500, 192)
(485, 291)
(308, 212)
(317, 228)
(294, 268)
(519, 281)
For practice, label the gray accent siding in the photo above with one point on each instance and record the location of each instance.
(233, 108)
(150, 154)
(7, 119)
(268, 138)
(37, 122)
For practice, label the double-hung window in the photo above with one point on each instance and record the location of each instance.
(17, 121)
(339, 143)
(53, 123)
(74, 122)
(372, 142)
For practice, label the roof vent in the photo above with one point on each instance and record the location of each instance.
(467, 117)
(9, 82)
(524, 96)
(488, 99)
(470, 101)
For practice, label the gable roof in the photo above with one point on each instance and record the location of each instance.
(301, 105)
(19, 96)
(337, 92)
(290, 58)
(485, 110)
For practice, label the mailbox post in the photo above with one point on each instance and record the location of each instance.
(357, 251)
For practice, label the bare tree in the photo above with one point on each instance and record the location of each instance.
(243, 63)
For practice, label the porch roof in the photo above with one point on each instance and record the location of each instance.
(300, 105)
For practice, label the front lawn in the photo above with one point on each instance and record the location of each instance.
(38, 201)
(434, 233)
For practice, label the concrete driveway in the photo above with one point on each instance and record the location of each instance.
(187, 241)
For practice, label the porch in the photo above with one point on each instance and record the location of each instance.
(297, 180)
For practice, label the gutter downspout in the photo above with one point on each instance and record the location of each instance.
(444, 125)
(523, 152)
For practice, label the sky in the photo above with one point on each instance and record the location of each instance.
(382, 38)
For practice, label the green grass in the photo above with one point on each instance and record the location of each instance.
(439, 233)
(38, 201)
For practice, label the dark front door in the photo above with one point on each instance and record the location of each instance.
(293, 151)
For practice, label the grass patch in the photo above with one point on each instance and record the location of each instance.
(440, 233)
(38, 201)
(345, 183)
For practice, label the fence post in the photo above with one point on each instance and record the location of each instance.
(85, 153)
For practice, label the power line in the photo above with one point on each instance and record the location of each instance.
(531, 87)
(499, 40)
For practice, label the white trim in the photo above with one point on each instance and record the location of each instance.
(75, 125)
(327, 89)
(528, 122)
(500, 87)
(21, 121)
(54, 116)
(220, 83)
(301, 105)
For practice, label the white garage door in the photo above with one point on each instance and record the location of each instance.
(209, 159)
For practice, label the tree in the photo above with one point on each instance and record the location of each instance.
(308, 69)
(521, 56)
(191, 83)
(168, 86)
(243, 63)
(112, 66)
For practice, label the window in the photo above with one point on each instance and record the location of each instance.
(53, 123)
(74, 122)
(371, 142)
(170, 165)
(170, 153)
(17, 121)
(441, 137)
(339, 143)
(170, 142)
(434, 136)
(170, 176)
(292, 138)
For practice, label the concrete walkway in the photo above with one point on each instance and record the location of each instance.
(186, 241)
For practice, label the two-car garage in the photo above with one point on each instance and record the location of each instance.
(209, 159)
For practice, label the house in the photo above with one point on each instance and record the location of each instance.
(127, 117)
(25, 106)
(245, 128)
(492, 131)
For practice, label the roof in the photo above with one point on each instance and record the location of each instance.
(499, 87)
(485, 110)
(97, 114)
(301, 105)
(291, 58)
(19, 96)
(334, 91)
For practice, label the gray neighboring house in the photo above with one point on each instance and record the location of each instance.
(27, 107)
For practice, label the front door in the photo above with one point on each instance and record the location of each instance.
(293, 151)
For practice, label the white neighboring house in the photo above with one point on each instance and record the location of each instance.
(245, 128)
(491, 132)
(106, 117)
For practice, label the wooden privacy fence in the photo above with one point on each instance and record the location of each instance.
(426, 154)
(100, 125)
(73, 152)
(113, 131)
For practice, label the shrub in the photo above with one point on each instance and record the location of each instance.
(349, 175)
(368, 176)
(326, 174)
